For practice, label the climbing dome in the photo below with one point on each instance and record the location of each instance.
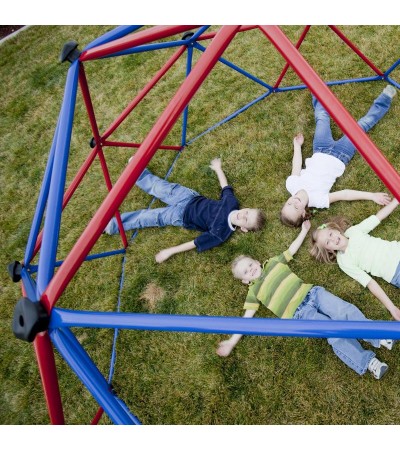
(37, 319)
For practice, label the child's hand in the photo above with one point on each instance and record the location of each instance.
(216, 164)
(298, 139)
(224, 348)
(306, 225)
(163, 255)
(395, 312)
(381, 198)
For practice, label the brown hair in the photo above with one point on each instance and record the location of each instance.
(295, 223)
(259, 222)
(321, 254)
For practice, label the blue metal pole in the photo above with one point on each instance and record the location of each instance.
(91, 377)
(158, 46)
(331, 83)
(186, 110)
(54, 205)
(226, 325)
(236, 68)
(41, 203)
(230, 117)
(116, 33)
(390, 80)
(391, 68)
(29, 285)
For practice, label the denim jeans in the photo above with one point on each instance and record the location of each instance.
(343, 148)
(173, 194)
(396, 279)
(320, 304)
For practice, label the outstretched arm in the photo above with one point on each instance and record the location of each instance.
(216, 166)
(348, 195)
(380, 294)
(168, 252)
(225, 347)
(296, 244)
(388, 209)
(297, 161)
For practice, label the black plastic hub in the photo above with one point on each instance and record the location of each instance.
(30, 318)
(92, 142)
(70, 52)
(187, 35)
(14, 270)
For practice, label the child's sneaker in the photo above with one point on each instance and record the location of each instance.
(377, 368)
(390, 91)
(387, 343)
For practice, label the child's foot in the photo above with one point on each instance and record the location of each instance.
(390, 91)
(377, 368)
(387, 343)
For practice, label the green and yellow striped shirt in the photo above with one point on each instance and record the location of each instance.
(278, 288)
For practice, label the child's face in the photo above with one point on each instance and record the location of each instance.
(245, 218)
(331, 240)
(294, 208)
(247, 270)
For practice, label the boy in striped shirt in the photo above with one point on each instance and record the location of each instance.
(288, 297)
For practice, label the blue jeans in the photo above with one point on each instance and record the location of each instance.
(173, 194)
(396, 279)
(320, 304)
(343, 148)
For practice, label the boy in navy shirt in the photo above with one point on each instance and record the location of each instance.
(217, 219)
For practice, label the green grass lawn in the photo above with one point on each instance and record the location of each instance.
(177, 378)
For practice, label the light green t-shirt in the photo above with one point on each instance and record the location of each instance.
(367, 254)
(277, 288)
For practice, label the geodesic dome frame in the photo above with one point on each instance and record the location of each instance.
(36, 317)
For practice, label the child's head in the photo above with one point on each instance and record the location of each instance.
(246, 269)
(248, 219)
(328, 238)
(294, 212)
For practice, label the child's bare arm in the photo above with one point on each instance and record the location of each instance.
(225, 347)
(297, 161)
(381, 198)
(296, 244)
(168, 252)
(216, 166)
(380, 294)
(387, 210)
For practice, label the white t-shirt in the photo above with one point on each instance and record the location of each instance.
(317, 179)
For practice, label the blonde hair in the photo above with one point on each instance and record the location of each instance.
(235, 262)
(321, 254)
(296, 223)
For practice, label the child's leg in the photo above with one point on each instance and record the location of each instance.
(145, 218)
(169, 193)
(378, 109)
(323, 133)
(349, 351)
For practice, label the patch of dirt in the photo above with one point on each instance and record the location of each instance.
(5, 30)
(152, 295)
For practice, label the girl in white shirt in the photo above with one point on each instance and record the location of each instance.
(310, 187)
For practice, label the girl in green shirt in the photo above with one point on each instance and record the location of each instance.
(358, 254)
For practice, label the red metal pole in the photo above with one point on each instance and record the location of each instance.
(89, 107)
(97, 417)
(355, 49)
(302, 37)
(134, 145)
(337, 111)
(144, 92)
(48, 374)
(139, 161)
(133, 40)
(206, 36)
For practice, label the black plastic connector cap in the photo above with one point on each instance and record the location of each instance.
(92, 142)
(187, 35)
(14, 270)
(30, 318)
(70, 52)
